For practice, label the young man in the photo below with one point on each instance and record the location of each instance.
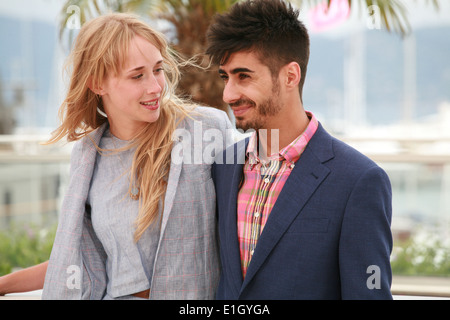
(312, 219)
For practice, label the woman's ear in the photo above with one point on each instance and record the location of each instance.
(95, 88)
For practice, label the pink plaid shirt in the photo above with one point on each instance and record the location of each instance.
(261, 185)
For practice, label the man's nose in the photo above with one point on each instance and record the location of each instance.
(230, 93)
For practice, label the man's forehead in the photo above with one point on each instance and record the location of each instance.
(242, 61)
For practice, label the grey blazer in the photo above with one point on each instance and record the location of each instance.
(187, 262)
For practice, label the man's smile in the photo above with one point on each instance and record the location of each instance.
(240, 107)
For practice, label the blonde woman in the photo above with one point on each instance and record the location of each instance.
(136, 222)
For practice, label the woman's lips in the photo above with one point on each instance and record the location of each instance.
(150, 105)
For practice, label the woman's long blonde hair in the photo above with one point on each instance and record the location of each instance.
(100, 49)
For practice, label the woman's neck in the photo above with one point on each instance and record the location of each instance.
(123, 132)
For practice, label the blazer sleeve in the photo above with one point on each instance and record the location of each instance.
(366, 239)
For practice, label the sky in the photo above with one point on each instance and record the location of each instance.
(43, 10)
(420, 14)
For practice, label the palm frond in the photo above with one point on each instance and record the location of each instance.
(392, 13)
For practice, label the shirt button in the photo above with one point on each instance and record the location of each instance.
(266, 180)
(256, 214)
(292, 166)
(251, 252)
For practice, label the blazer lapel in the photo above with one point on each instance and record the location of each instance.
(305, 178)
(172, 184)
(176, 165)
(232, 252)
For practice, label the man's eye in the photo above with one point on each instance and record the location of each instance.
(243, 76)
(224, 77)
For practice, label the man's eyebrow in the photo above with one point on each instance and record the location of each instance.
(236, 70)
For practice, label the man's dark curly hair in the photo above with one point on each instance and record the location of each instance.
(270, 28)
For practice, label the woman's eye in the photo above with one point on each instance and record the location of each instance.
(138, 76)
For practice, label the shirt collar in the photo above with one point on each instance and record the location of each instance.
(292, 151)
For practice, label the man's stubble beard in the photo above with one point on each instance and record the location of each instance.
(269, 108)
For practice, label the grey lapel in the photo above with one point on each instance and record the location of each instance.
(172, 184)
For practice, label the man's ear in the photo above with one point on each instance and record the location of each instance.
(293, 74)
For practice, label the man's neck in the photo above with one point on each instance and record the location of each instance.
(281, 133)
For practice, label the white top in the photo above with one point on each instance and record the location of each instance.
(129, 265)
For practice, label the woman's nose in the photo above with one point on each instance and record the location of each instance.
(153, 86)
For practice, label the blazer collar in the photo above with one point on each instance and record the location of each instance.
(97, 134)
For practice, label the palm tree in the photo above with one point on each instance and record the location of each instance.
(191, 19)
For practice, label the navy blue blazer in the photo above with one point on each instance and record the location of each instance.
(328, 235)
